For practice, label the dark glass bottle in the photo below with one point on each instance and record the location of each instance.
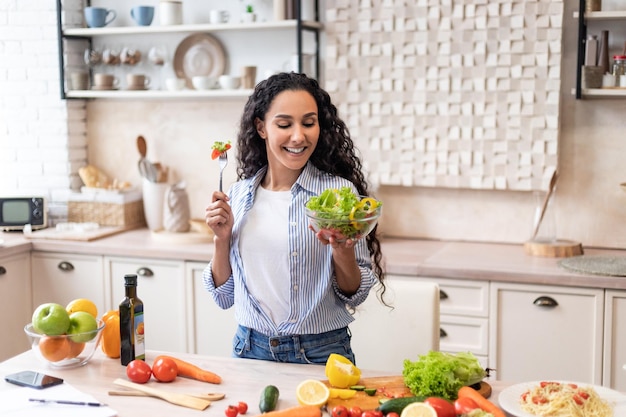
(131, 323)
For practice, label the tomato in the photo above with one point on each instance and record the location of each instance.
(339, 411)
(138, 371)
(464, 405)
(355, 411)
(165, 369)
(443, 407)
(370, 413)
(231, 411)
(393, 414)
(242, 407)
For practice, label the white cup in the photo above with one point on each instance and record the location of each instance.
(228, 82)
(203, 82)
(171, 12)
(219, 16)
(153, 199)
(174, 84)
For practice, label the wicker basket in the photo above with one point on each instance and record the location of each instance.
(129, 213)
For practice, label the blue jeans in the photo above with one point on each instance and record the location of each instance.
(306, 348)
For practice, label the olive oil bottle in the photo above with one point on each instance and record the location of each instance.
(131, 323)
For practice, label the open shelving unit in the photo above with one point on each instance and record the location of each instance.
(87, 34)
(583, 21)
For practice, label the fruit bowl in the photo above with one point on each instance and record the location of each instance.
(64, 351)
(347, 227)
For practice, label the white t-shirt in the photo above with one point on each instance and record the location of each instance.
(264, 249)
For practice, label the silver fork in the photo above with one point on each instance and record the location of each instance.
(223, 161)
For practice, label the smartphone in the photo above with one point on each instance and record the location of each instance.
(33, 379)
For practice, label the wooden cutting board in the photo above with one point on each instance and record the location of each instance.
(387, 386)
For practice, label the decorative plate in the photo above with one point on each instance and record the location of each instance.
(509, 398)
(199, 54)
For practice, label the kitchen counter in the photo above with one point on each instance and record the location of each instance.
(243, 380)
(444, 259)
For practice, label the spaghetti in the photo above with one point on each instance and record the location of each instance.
(555, 399)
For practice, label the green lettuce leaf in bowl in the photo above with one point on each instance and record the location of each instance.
(341, 214)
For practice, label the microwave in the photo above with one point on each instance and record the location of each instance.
(17, 212)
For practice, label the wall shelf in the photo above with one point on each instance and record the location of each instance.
(159, 94)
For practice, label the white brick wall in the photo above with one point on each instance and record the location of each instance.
(42, 138)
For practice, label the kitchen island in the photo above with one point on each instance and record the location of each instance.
(243, 380)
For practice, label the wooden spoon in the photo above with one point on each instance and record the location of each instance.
(172, 397)
(210, 396)
(142, 146)
(545, 204)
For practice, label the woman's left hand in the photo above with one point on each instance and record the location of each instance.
(334, 243)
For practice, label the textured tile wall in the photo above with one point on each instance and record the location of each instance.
(449, 93)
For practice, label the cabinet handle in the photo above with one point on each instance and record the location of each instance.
(442, 333)
(443, 295)
(545, 301)
(3, 270)
(65, 266)
(145, 272)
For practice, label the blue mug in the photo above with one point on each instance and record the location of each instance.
(142, 15)
(97, 17)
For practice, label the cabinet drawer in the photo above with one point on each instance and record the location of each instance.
(614, 375)
(463, 297)
(462, 334)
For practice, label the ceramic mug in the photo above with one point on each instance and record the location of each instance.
(79, 80)
(137, 81)
(97, 17)
(143, 15)
(202, 82)
(105, 81)
(171, 12)
(174, 84)
(218, 16)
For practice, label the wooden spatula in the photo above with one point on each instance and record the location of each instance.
(210, 396)
(172, 397)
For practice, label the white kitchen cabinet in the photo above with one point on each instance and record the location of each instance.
(15, 303)
(546, 332)
(62, 277)
(210, 329)
(161, 286)
(464, 307)
(614, 373)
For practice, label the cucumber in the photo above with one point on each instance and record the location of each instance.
(269, 399)
(370, 391)
(398, 404)
(358, 387)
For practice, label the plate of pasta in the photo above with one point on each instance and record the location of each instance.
(562, 399)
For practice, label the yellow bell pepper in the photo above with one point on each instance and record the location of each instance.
(341, 372)
(111, 343)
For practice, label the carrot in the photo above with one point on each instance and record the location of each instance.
(190, 370)
(483, 403)
(297, 411)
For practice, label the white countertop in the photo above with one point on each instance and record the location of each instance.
(444, 259)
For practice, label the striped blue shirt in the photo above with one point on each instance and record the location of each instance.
(316, 303)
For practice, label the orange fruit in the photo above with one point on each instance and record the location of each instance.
(75, 349)
(82, 304)
(54, 348)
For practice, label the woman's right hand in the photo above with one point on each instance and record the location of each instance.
(219, 216)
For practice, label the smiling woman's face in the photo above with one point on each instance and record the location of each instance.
(291, 131)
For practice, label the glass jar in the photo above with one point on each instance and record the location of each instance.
(619, 69)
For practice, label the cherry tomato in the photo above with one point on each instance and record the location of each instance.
(443, 407)
(464, 405)
(393, 414)
(138, 371)
(242, 407)
(165, 370)
(355, 411)
(231, 411)
(339, 411)
(369, 413)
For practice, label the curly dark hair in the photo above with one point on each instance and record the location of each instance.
(335, 152)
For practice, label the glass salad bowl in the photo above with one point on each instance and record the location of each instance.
(353, 220)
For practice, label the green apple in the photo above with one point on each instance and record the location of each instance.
(82, 327)
(51, 319)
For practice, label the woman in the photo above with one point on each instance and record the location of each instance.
(292, 289)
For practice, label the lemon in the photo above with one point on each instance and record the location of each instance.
(312, 392)
(344, 394)
(418, 410)
(82, 304)
(341, 372)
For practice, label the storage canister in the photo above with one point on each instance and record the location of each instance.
(619, 69)
(171, 12)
